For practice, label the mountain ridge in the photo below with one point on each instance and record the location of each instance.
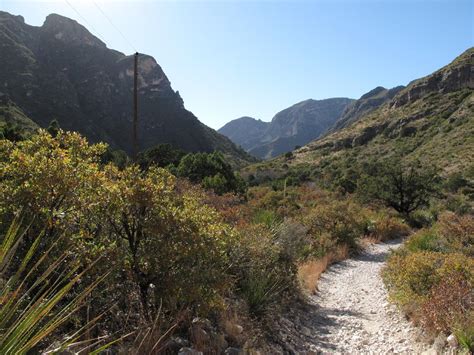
(293, 126)
(431, 120)
(61, 71)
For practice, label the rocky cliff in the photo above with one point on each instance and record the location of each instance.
(294, 126)
(61, 71)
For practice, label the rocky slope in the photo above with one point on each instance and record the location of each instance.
(366, 104)
(294, 126)
(432, 120)
(61, 71)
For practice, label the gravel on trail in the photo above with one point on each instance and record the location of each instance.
(350, 313)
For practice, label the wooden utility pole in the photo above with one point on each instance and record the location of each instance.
(135, 107)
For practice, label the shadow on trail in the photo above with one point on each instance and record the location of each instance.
(309, 323)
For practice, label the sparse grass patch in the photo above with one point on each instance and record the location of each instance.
(311, 270)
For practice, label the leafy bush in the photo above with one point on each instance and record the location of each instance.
(458, 232)
(158, 241)
(335, 223)
(212, 171)
(432, 278)
(161, 155)
(450, 304)
(424, 240)
(410, 278)
(388, 228)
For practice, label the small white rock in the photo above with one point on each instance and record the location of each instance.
(452, 341)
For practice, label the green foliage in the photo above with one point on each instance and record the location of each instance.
(212, 171)
(173, 245)
(262, 267)
(161, 155)
(53, 128)
(432, 276)
(12, 132)
(337, 223)
(266, 217)
(160, 242)
(34, 305)
(424, 240)
(117, 157)
(402, 187)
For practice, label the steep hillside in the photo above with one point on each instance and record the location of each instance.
(61, 71)
(11, 115)
(294, 126)
(366, 104)
(432, 119)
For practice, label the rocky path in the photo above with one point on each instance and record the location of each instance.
(350, 313)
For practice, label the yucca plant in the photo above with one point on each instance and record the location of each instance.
(29, 298)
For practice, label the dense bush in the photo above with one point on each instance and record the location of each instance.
(387, 228)
(212, 171)
(335, 223)
(159, 242)
(161, 155)
(432, 276)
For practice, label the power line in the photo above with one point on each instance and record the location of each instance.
(115, 27)
(85, 21)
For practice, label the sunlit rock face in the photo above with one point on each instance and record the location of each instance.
(294, 126)
(61, 71)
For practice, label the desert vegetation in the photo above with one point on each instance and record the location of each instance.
(178, 249)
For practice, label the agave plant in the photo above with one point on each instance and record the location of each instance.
(29, 311)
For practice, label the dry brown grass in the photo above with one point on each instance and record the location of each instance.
(310, 271)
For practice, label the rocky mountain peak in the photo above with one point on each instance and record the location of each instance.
(373, 92)
(70, 31)
(6, 15)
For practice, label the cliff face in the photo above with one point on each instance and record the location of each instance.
(454, 77)
(61, 71)
(296, 125)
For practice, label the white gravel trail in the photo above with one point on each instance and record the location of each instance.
(350, 313)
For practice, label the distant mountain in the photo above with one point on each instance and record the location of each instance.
(245, 131)
(367, 103)
(61, 71)
(296, 125)
(431, 120)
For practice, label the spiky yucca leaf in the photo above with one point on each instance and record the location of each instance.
(29, 314)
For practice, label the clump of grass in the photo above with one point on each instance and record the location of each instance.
(311, 270)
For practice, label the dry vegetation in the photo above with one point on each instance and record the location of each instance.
(186, 267)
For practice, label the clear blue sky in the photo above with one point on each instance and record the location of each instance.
(234, 58)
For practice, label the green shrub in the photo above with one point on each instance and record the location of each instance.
(212, 171)
(388, 228)
(424, 240)
(262, 267)
(335, 223)
(266, 217)
(411, 277)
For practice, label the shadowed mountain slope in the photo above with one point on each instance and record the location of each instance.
(61, 71)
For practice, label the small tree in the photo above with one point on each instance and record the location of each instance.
(404, 187)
